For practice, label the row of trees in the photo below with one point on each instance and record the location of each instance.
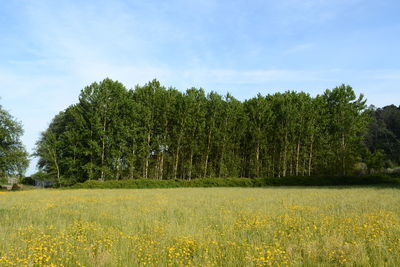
(13, 156)
(156, 132)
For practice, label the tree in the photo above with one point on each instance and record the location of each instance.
(105, 108)
(193, 130)
(347, 120)
(384, 133)
(259, 123)
(50, 148)
(13, 156)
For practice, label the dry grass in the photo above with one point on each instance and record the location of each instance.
(201, 227)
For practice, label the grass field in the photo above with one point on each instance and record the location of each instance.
(201, 227)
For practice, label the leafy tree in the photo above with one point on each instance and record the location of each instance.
(347, 121)
(13, 156)
(49, 148)
(384, 133)
(194, 130)
(259, 121)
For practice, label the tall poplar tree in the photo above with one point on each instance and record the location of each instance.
(346, 124)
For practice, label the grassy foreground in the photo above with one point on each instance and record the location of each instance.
(201, 227)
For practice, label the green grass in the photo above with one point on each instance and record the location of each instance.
(201, 227)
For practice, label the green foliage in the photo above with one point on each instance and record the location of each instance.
(150, 131)
(383, 138)
(346, 120)
(28, 181)
(333, 180)
(151, 183)
(41, 176)
(13, 156)
(244, 182)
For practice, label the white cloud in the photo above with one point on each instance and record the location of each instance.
(75, 45)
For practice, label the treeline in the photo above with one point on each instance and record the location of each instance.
(383, 138)
(161, 133)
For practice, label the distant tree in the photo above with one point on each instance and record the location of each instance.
(347, 120)
(13, 156)
(193, 131)
(40, 176)
(259, 124)
(49, 148)
(384, 133)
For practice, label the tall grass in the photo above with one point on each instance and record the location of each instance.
(201, 227)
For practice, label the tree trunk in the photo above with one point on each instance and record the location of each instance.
(310, 155)
(74, 160)
(273, 160)
(207, 154)
(190, 165)
(132, 167)
(177, 156)
(118, 175)
(161, 169)
(343, 155)
(163, 148)
(280, 164)
(176, 162)
(297, 158)
(221, 159)
(54, 155)
(91, 156)
(58, 174)
(103, 150)
(146, 160)
(258, 160)
(291, 162)
(285, 156)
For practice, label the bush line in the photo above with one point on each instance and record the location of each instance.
(243, 182)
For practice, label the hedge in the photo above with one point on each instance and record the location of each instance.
(243, 182)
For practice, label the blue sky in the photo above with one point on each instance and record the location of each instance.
(50, 50)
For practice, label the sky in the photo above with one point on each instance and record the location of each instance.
(50, 50)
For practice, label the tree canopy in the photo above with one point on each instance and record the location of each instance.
(13, 156)
(156, 132)
(383, 136)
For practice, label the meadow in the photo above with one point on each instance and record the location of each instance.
(201, 227)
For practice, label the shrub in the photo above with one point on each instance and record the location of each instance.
(28, 181)
(244, 182)
(15, 187)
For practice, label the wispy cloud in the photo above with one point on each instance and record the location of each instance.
(385, 75)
